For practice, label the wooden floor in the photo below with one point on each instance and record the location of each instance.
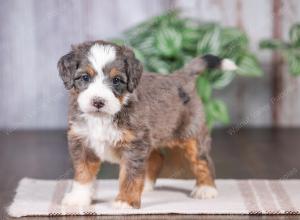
(249, 153)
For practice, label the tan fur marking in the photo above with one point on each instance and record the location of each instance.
(90, 71)
(154, 165)
(130, 188)
(73, 135)
(127, 137)
(86, 170)
(173, 143)
(121, 98)
(113, 72)
(199, 167)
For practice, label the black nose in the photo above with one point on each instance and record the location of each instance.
(98, 103)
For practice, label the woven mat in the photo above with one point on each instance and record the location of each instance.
(42, 198)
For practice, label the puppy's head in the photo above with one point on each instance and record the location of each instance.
(103, 75)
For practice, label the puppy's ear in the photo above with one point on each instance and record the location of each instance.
(134, 69)
(67, 66)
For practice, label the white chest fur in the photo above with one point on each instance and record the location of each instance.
(101, 135)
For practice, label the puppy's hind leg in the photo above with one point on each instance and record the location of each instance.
(202, 168)
(154, 165)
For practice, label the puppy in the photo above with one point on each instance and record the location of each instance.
(119, 115)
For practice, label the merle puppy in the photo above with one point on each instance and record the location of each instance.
(119, 115)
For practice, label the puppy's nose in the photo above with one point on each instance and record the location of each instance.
(98, 103)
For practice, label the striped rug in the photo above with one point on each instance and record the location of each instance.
(42, 198)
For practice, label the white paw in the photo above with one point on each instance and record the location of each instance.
(149, 185)
(80, 195)
(204, 192)
(76, 199)
(121, 205)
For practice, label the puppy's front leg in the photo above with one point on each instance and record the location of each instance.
(131, 178)
(131, 185)
(86, 165)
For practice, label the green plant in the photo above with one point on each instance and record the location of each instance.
(165, 43)
(290, 50)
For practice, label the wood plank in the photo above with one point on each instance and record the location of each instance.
(277, 63)
(289, 96)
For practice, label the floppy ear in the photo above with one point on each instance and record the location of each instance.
(134, 69)
(67, 66)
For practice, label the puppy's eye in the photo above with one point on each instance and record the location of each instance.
(85, 77)
(116, 81)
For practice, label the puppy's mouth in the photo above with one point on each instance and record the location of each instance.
(97, 113)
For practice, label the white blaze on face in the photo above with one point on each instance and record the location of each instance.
(99, 56)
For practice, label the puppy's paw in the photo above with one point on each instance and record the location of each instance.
(204, 192)
(121, 205)
(76, 199)
(148, 186)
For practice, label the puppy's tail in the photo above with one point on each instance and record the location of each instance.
(199, 64)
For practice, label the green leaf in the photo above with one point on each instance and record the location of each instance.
(168, 42)
(218, 111)
(176, 65)
(248, 66)
(147, 46)
(272, 44)
(190, 40)
(209, 41)
(289, 50)
(155, 64)
(144, 29)
(204, 88)
(139, 55)
(234, 36)
(220, 79)
(190, 34)
(295, 35)
(210, 121)
(233, 42)
(294, 63)
(119, 42)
